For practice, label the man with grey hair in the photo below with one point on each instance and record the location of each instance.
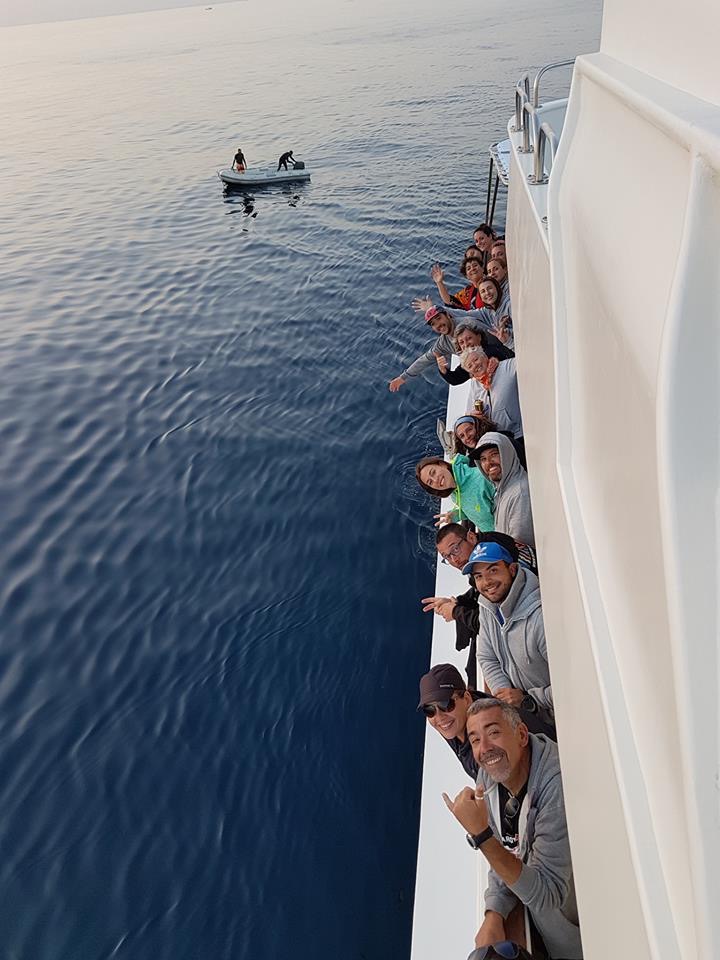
(516, 818)
(493, 390)
(467, 334)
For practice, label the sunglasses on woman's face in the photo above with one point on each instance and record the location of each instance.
(444, 706)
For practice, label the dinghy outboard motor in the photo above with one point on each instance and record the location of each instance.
(298, 165)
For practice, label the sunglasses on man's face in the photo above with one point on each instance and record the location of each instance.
(444, 706)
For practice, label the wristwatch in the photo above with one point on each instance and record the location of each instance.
(527, 703)
(479, 839)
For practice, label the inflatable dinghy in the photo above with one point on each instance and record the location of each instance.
(257, 177)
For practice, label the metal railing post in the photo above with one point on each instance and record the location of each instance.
(536, 82)
(529, 129)
(545, 136)
(522, 95)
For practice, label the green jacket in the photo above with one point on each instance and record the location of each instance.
(474, 493)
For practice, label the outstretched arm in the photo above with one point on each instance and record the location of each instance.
(438, 275)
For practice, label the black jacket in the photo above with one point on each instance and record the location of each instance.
(467, 620)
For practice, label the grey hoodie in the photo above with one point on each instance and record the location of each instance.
(545, 884)
(513, 510)
(515, 654)
(501, 402)
(444, 345)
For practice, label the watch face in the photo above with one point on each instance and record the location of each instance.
(471, 841)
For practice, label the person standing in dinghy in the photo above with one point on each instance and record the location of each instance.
(239, 163)
(283, 161)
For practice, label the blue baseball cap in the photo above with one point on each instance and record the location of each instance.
(487, 552)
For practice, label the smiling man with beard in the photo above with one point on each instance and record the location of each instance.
(516, 818)
(511, 647)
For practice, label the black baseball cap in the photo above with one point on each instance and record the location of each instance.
(439, 684)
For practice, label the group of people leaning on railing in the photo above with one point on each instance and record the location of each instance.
(500, 722)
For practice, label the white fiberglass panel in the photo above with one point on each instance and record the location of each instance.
(634, 231)
(620, 259)
(669, 41)
(606, 886)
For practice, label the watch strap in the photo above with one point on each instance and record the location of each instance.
(479, 839)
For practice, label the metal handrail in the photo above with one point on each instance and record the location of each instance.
(546, 135)
(530, 127)
(536, 81)
(522, 95)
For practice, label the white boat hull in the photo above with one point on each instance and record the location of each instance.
(256, 177)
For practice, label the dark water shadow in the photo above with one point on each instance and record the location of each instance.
(240, 197)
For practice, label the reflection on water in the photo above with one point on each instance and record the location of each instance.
(213, 544)
(235, 195)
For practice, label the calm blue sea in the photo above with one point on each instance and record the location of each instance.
(212, 543)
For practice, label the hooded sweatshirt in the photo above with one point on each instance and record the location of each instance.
(473, 493)
(545, 885)
(511, 648)
(444, 345)
(513, 511)
(501, 402)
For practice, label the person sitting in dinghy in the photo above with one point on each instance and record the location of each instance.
(239, 163)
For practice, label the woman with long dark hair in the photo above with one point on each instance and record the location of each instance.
(469, 488)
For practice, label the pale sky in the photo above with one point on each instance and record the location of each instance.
(14, 12)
